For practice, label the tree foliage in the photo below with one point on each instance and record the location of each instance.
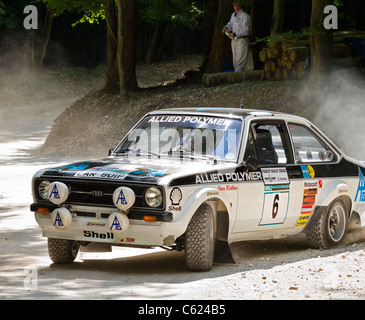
(184, 12)
(165, 27)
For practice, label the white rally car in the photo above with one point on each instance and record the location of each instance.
(199, 179)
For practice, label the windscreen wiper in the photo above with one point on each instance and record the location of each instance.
(138, 152)
(191, 155)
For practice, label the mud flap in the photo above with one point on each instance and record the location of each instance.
(96, 247)
(222, 252)
(354, 222)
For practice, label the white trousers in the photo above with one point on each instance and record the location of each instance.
(240, 53)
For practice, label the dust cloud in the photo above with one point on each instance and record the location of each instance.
(30, 100)
(340, 114)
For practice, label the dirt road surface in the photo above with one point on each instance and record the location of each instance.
(278, 269)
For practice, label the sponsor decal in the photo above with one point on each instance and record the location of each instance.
(116, 224)
(97, 235)
(174, 208)
(175, 197)
(58, 220)
(209, 178)
(98, 174)
(121, 198)
(310, 169)
(54, 193)
(277, 188)
(212, 193)
(150, 173)
(189, 119)
(228, 188)
(128, 240)
(360, 193)
(275, 176)
(96, 224)
(309, 198)
(115, 173)
(227, 177)
(313, 184)
(308, 172)
(77, 167)
(343, 191)
(303, 219)
(309, 192)
(276, 203)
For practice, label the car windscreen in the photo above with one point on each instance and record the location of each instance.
(185, 136)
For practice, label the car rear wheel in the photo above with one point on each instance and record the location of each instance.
(329, 230)
(62, 251)
(200, 240)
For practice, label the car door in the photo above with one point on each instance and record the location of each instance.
(270, 202)
(317, 160)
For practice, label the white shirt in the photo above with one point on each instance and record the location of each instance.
(240, 24)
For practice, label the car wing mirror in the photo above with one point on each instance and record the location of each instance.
(252, 164)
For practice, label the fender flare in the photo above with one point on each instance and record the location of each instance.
(335, 190)
(196, 199)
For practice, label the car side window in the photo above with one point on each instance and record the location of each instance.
(269, 143)
(308, 147)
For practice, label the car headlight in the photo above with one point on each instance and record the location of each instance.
(43, 188)
(153, 197)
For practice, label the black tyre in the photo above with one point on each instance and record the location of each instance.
(330, 229)
(199, 240)
(62, 251)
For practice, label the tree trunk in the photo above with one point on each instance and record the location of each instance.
(221, 45)
(261, 12)
(164, 39)
(120, 48)
(278, 17)
(130, 43)
(40, 44)
(112, 76)
(321, 42)
(152, 42)
(208, 32)
(127, 46)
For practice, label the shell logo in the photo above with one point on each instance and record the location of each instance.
(175, 196)
(311, 171)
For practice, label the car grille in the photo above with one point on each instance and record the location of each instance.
(99, 193)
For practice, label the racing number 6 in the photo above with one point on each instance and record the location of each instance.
(275, 207)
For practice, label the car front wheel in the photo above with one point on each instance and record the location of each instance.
(200, 240)
(62, 251)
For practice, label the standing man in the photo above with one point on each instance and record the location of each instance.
(238, 29)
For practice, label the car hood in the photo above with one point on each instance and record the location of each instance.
(134, 169)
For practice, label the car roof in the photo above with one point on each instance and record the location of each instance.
(228, 112)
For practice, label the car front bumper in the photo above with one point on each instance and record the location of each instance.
(90, 224)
